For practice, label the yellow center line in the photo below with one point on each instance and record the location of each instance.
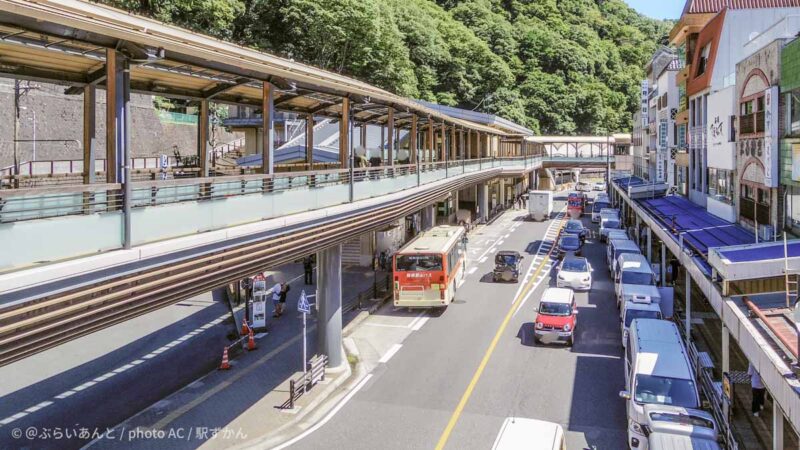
(477, 375)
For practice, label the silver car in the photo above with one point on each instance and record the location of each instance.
(574, 272)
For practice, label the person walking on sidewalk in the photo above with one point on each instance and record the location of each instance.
(308, 270)
(282, 300)
(758, 390)
(276, 298)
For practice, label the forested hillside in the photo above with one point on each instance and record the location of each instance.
(557, 66)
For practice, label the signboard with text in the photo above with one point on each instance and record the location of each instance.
(645, 103)
(771, 141)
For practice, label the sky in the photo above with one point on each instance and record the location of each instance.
(658, 9)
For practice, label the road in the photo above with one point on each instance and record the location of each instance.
(412, 394)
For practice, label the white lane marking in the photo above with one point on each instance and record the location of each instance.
(328, 417)
(260, 335)
(385, 325)
(418, 316)
(482, 260)
(116, 371)
(420, 324)
(507, 235)
(388, 355)
(471, 271)
(500, 242)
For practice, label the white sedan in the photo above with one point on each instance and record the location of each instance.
(574, 272)
(599, 186)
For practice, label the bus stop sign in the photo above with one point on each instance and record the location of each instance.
(302, 304)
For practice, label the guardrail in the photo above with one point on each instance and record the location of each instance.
(302, 384)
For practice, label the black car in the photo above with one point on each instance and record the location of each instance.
(575, 228)
(569, 244)
(506, 266)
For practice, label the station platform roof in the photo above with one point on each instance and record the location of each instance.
(753, 261)
(701, 230)
(66, 41)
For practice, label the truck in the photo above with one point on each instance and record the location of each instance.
(639, 301)
(540, 205)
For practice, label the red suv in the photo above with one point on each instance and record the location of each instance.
(556, 320)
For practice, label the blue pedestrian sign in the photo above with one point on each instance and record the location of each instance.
(302, 305)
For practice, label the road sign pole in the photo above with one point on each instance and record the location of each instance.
(304, 308)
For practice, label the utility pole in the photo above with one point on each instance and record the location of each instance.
(19, 92)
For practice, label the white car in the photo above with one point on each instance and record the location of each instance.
(575, 273)
(599, 186)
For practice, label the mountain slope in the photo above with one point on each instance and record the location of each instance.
(557, 66)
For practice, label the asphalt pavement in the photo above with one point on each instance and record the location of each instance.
(409, 400)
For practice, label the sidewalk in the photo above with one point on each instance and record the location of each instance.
(232, 408)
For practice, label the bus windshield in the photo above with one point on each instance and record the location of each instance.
(665, 391)
(418, 263)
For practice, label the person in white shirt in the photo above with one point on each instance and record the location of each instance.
(758, 390)
(276, 298)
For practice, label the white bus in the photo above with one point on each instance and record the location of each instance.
(427, 270)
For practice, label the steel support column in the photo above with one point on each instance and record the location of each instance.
(344, 135)
(310, 141)
(390, 132)
(412, 141)
(726, 351)
(649, 245)
(663, 264)
(268, 127)
(202, 138)
(89, 133)
(329, 304)
(688, 311)
(431, 139)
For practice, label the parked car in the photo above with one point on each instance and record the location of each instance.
(599, 186)
(574, 227)
(531, 434)
(607, 224)
(597, 206)
(506, 266)
(569, 244)
(616, 234)
(557, 315)
(575, 273)
(672, 427)
(584, 187)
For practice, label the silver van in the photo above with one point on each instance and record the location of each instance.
(616, 248)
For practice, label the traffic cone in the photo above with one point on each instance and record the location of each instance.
(251, 341)
(245, 327)
(225, 364)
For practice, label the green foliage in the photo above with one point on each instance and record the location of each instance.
(557, 66)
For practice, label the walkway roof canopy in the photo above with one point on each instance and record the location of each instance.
(614, 138)
(65, 41)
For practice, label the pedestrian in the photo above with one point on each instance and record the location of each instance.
(282, 301)
(276, 298)
(758, 389)
(308, 269)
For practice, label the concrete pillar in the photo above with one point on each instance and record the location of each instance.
(483, 201)
(649, 244)
(663, 263)
(502, 193)
(726, 354)
(428, 217)
(329, 305)
(89, 133)
(268, 127)
(431, 148)
(777, 426)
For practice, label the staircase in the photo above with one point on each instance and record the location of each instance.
(351, 252)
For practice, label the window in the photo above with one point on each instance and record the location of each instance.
(746, 107)
(794, 113)
(760, 103)
(763, 196)
(793, 207)
(701, 64)
(665, 391)
(720, 185)
(418, 263)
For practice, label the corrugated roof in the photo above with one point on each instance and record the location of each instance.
(714, 6)
(676, 64)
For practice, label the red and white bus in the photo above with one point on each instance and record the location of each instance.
(428, 269)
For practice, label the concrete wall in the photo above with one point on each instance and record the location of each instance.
(60, 116)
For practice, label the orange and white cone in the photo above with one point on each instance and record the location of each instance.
(245, 327)
(225, 363)
(251, 341)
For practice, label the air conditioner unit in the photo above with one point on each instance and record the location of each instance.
(765, 232)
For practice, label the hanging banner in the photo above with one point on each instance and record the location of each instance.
(645, 103)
